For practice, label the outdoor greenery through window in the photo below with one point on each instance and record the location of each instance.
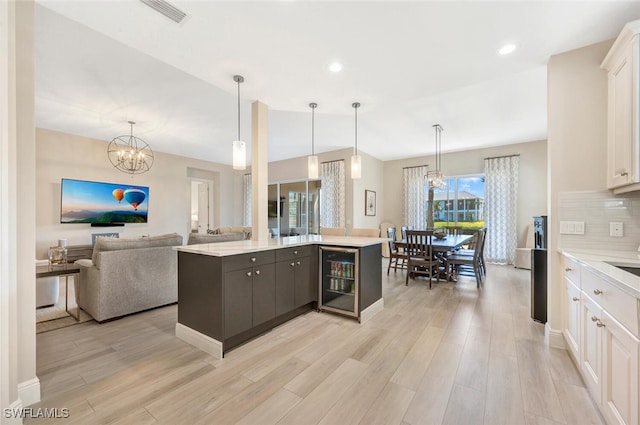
(459, 203)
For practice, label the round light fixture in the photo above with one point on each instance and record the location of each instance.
(507, 48)
(335, 67)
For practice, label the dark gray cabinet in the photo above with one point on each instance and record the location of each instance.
(232, 299)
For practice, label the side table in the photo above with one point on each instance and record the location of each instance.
(61, 270)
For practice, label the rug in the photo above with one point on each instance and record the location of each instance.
(55, 317)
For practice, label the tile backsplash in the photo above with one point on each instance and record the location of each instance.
(597, 209)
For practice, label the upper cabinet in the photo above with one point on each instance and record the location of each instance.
(623, 138)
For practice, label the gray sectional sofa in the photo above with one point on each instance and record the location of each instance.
(129, 275)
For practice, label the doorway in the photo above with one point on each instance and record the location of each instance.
(201, 205)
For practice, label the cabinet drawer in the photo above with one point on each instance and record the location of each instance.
(572, 270)
(620, 305)
(237, 262)
(293, 252)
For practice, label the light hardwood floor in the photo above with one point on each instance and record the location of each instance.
(450, 355)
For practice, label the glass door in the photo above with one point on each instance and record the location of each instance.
(339, 289)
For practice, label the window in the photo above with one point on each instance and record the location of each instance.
(460, 203)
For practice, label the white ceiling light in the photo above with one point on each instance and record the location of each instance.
(506, 49)
(335, 67)
(239, 147)
(312, 161)
(356, 160)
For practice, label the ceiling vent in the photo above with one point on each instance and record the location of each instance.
(166, 9)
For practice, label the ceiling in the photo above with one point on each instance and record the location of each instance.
(410, 65)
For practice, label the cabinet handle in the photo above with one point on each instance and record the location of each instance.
(257, 272)
(576, 299)
(298, 262)
(597, 291)
(248, 273)
(253, 259)
(295, 252)
(624, 173)
(594, 319)
(568, 269)
(600, 324)
(293, 264)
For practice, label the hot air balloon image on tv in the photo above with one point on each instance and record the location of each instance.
(103, 203)
(135, 197)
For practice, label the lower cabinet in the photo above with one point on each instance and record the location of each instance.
(572, 326)
(249, 298)
(591, 344)
(619, 373)
(608, 351)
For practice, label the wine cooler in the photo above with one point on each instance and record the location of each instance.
(339, 289)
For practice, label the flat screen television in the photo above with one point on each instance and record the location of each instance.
(102, 203)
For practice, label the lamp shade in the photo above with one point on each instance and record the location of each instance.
(312, 166)
(239, 155)
(356, 167)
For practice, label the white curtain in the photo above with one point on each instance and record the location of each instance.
(501, 208)
(332, 194)
(246, 187)
(415, 196)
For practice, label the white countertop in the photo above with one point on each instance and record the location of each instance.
(222, 249)
(599, 261)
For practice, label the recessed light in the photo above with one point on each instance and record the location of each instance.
(507, 48)
(335, 67)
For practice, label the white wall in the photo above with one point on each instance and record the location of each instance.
(577, 152)
(532, 189)
(168, 182)
(372, 179)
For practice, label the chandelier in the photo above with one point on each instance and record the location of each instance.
(130, 154)
(435, 177)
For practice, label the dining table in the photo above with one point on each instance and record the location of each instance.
(446, 244)
(441, 247)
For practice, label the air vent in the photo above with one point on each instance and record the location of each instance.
(166, 9)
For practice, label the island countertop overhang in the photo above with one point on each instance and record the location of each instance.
(223, 249)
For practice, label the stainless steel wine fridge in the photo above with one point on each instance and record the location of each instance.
(340, 288)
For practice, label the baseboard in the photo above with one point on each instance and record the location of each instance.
(372, 310)
(554, 337)
(29, 391)
(207, 344)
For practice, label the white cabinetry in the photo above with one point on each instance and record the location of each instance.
(572, 307)
(623, 138)
(601, 325)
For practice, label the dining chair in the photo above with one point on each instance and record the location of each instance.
(453, 230)
(420, 259)
(403, 231)
(397, 256)
(366, 233)
(333, 231)
(455, 261)
(481, 237)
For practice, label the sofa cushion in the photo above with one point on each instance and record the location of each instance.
(237, 229)
(199, 238)
(109, 244)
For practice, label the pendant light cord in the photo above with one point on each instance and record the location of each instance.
(238, 80)
(356, 105)
(313, 113)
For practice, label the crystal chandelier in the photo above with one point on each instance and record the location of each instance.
(130, 154)
(435, 177)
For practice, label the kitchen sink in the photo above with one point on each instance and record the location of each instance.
(629, 268)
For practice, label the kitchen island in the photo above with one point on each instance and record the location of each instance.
(230, 292)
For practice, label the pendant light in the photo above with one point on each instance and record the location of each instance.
(356, 160)
(130, 154)
(239, 147)
(435, 177)
(312, 161)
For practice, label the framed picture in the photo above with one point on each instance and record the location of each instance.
(369, 202)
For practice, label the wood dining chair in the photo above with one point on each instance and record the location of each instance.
(455, 261)
(420, 259)
(366, 233)
(397, 256)
(403, 231)
(333, 231)
(480, 236)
